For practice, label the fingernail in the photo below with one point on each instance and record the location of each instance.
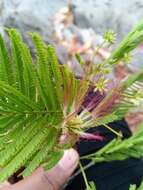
(69, 160)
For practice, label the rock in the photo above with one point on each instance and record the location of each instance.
(37, 15)
(30, 15)
(98, 15)
(102, 15)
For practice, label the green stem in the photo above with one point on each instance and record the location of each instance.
(115, 132)
(87, 157)
(98, 48)
(84, 175)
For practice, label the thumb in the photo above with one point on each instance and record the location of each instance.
(51, 180)
(58, 175)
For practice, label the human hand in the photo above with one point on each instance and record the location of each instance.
(54, 179)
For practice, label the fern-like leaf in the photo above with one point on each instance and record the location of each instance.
(6, 72)
(130, 42)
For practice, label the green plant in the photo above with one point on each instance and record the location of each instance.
(134, 187)
(119, 149)
(41, 100)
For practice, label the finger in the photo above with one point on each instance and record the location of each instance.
(4, 184)
(63, 170)
(53, 179)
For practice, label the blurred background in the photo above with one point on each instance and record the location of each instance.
(77, 26)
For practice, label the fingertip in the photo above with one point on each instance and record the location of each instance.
(70, 160)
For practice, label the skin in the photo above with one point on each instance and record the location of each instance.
(54, 179)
